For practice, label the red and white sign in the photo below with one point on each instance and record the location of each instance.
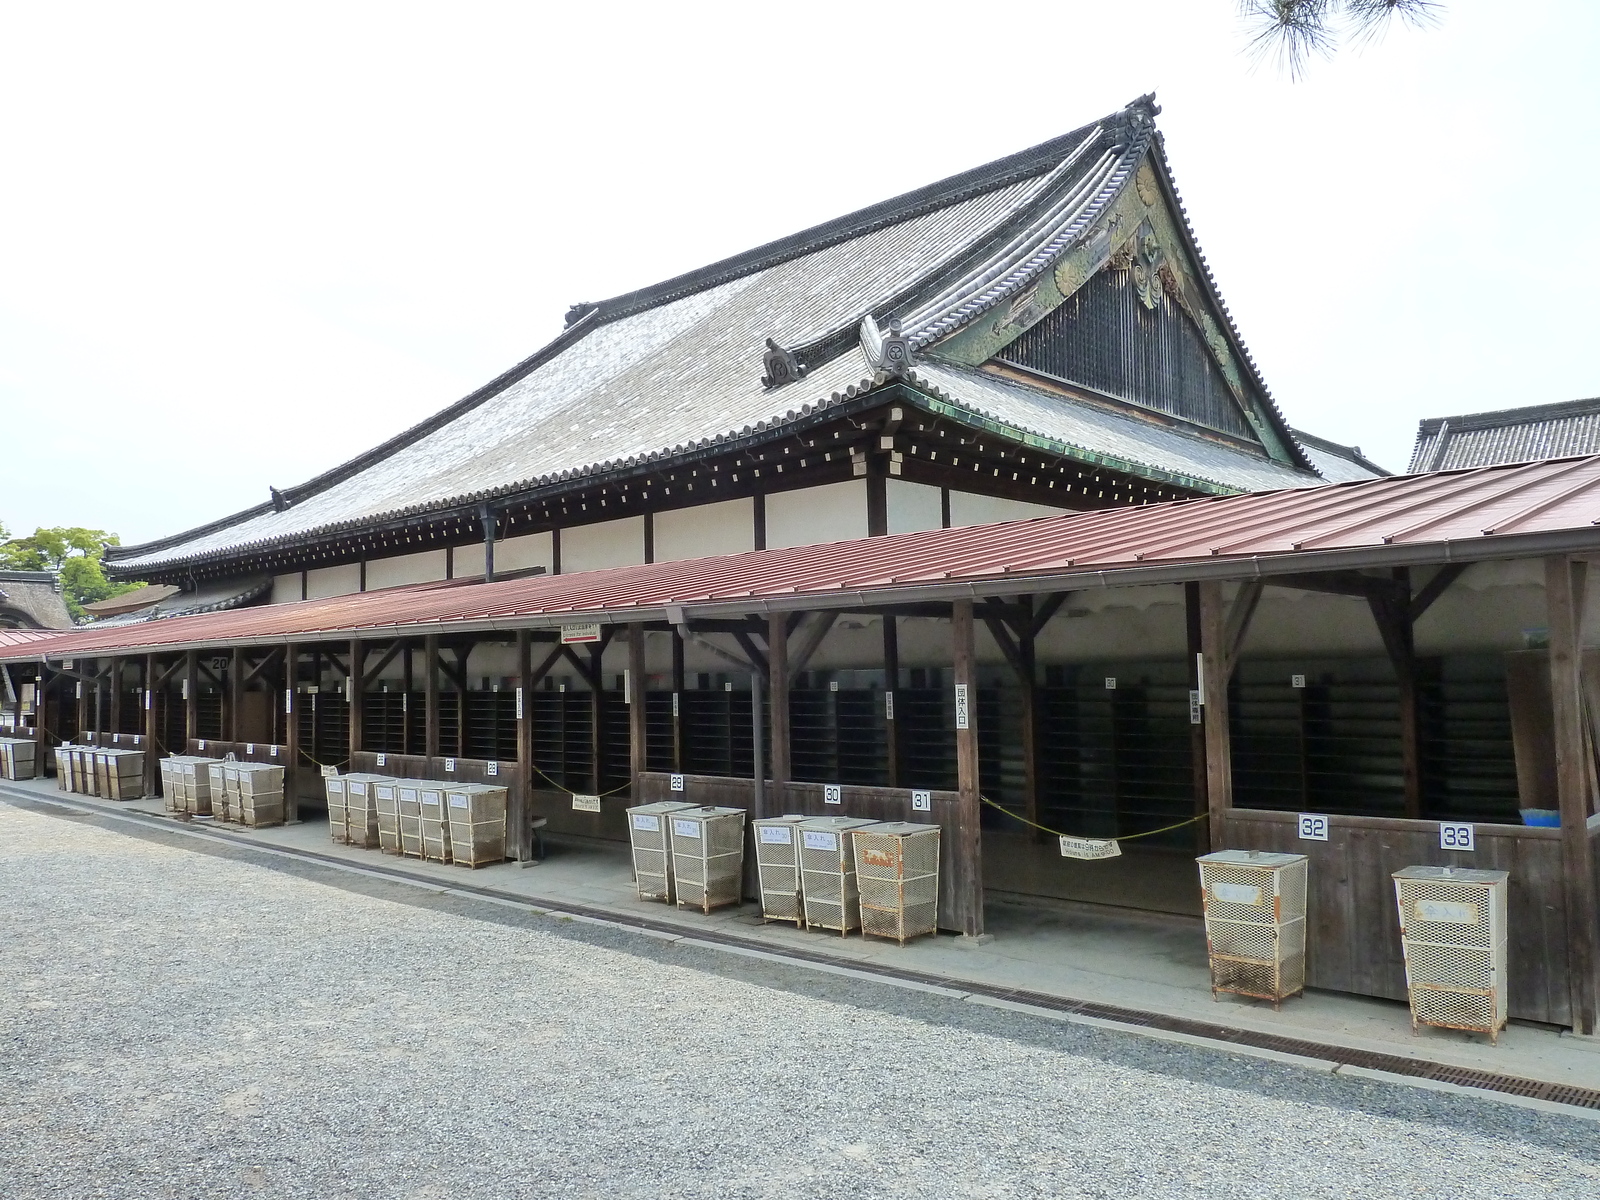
(573, 635)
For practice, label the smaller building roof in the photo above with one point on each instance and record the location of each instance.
(1338, 463)
(1508, 435)
(132, 601)
(32, 599)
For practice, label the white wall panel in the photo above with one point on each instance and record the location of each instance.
(726, 527)
(913, 506)
(424, 567)
(834, 512)
(592, 547)
(333, 581)
(969, 508)
(285, 588)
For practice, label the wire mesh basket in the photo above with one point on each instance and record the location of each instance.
(707, 856)
(1255, 912)
(120, 775)
(410, 803)
(18, 758)
(828, 873)
(1453, 931)
(434, 820)
(386, 802)
(477, 824)
(224, 805)
(652, 848)
(333, 787)
(778, 868)
(257, 790)
(361, 808)
(897, 877)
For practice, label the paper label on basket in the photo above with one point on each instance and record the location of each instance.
(585, 803)
(645, 822)
(458, 801)
(1089, 848)
(1237, 893)
(817, 839)
(686, 828)
(1445, 912)
(777, 835)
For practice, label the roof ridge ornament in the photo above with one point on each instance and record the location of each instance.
(781, 365)
(889, 353)
(279, 500)
(1137, 120)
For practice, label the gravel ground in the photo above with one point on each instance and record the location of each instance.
(178, 1019)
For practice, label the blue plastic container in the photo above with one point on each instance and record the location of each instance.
(1545, 818)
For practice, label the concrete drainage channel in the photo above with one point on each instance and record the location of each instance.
(1333, 1057)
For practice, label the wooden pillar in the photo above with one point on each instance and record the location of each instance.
(288, 703)
(235, 721)
(891, 681)
(597, 718)
(116, 698)
(638, 760)
(407, 686)
(967, 850)
(352, 684)
(1564, 593)
(461, 701)
(191, 698)
(80, 693)
(100, 679)
(877, 495)
(521, 814)
(758, 767)
(1197, 728)
(41, 734)
(677, 701)
(1215, 667)
(152, 750)
(430, 695)
(1030, 718)
(778, 693)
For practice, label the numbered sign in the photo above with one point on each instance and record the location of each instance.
(249, 747)
(449, 764)
(1455, 837)
(273, 751)
(382, 758)
(830, 793)
(1313, 827)
(777, 835)
(202, 743)
(677, 783)
(1111, 683)
(1297, 681)
(921, 801)
(491, 768)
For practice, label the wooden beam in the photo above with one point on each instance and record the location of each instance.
(116, 701)
(370, 675)
(1564, 594)
(597, 715)
(677, 699)
(231, 726)
(1239, 615)
(891, 681)
(1393, 618)
(354, 694)
(167, 676)
(287, 702)
(1215, 667)
(778, 693)
(152, 749)
(191, 703)
(519, 817)
(638, 726)
(757, 659)
(1050, 606)
(821, 623)
(968, 847)
(1338, 583)
(1435, 587)
(1197, 729)
(266, 663)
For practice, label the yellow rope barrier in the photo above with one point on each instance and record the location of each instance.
(1127, 837)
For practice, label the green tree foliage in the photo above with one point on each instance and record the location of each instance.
(1292, 32)
(72, 553)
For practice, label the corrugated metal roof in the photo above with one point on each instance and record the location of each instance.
(1508, 435)
(1456, 516)
(23, 637)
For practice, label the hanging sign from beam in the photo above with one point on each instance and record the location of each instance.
(1089, 848)
(572, 635)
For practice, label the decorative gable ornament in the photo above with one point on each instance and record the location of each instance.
(889, 353)
(781, 365)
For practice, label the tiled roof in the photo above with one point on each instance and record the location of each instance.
(1508, 435)
(1461, 516)
(659, 373)
(1337, 463)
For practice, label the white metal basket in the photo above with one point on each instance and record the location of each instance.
(707, 856)
(897, 876)
(434, 821)
(386, 803)
(778, 867)
(18, 758)
(477, 823)
(410, 801)
(361, 808)
(652, 848)
(828, 873)
(1453, 930)
(1255, 910)
(333, 787)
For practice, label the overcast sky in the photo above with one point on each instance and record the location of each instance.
(239, 245)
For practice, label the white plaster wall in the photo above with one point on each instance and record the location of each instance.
(969, 508)
(913, 506)
(510, 554)
(834, 512)
(285, 588)
(727, 527)
(607, 544)
(333, 581)
(424, 567)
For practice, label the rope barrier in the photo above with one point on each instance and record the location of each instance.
(1127, 837)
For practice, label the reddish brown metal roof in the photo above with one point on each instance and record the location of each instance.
(1493, 512)
(23, 637)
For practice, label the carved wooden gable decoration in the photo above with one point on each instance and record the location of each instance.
(1127, 315)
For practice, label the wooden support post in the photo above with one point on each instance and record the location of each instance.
(407, 685)
(891, 681)
(1197, 729)
(353, 695)
(100, 678)
(41, 734)
(877, 494)
(638, 726)
(778, 693)
(234, 721)
(152, 748)
(1564, 593)
(287, 702)
(968, 848)
(116, 698)
(758, 766)
(1215, 670)
(1392, 613)
(430, 695)
(191, 703)
(519, 817)
(597, 718)
(1030, 718)
(80, 700)
(677, 701)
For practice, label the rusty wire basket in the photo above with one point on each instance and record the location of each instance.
(897, 876)
(1453, 930)
(1255, 913)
